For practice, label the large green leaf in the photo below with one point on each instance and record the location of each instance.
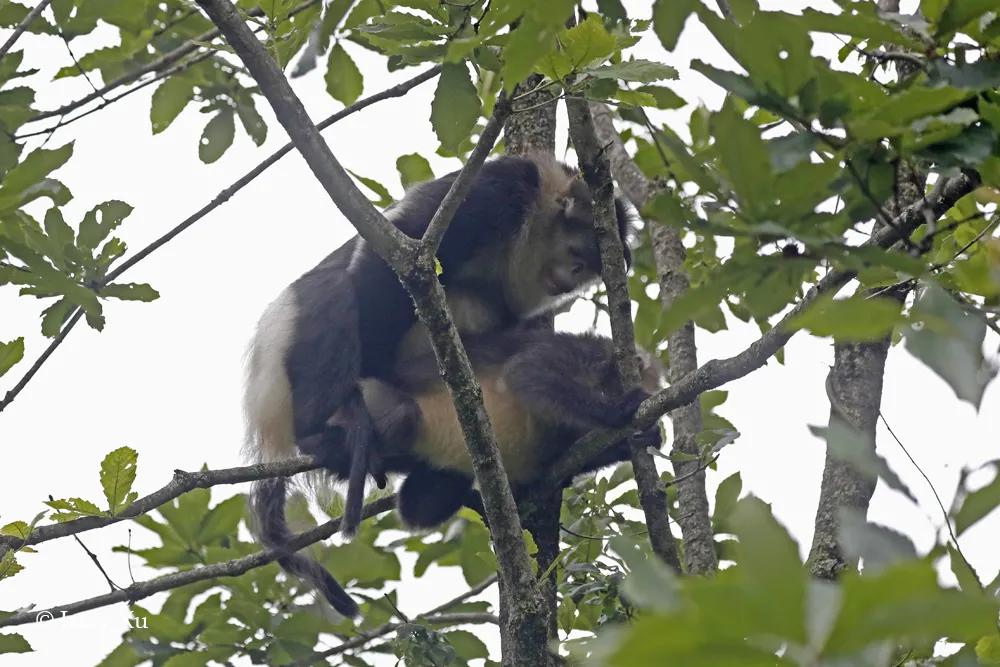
(217, 136)
(669, 17)
(455, 108)
(10, 354)
(977, 505)
(343, 79)
(413, 168)
(169, 99)
(854, 319)
(117, 476)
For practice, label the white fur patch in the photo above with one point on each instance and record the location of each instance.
(267, 399)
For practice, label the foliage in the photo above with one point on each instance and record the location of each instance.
(778, 186)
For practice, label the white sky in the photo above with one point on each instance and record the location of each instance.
(164, 378)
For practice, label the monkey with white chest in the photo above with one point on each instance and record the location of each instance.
(520, 244)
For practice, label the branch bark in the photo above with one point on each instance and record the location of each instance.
(668, 253)
(230, 568)
(180, 484)
(532, 126)
(420, 280)
(718, 372)
(396, 91)
(597, 171)
(22, 26)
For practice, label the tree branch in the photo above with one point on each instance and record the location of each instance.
(423, 286)
(668, 254)
(597, 171)
(23, 25)
(396, 91)
(434, 616)
(718, 372)
(166, 582)
(166, 60)
(181, 483)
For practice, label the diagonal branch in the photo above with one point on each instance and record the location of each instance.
(421, 282)
(22, 26)
(597, 171)
(166, 582)
(180, 484)
(718, 372)
(166, 60)
(395, 91)
(668, 254)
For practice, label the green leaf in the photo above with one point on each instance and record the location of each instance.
(960, 12)
(217, 136)
(846, 443)
(879, 546)
(977, 505)
(988, 650)
(384, 197)
(223, 520)
(343, 79)
(31, 171)
(73, 508)
(640, 71)
(726, 497)
(455, 108)
(99, 222)
(251, 119)
(117, 476)
(14, 643)
(854, 319)
(55, 316)
(743, 155)
(860, 25)
(527, 44)
(668, 20)
(949, 340)
(664, 97)
(413, 168)
(169, 99)
(10, 354)
(467, 645)
(130, 292)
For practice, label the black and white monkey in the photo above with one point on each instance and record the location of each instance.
(542, 390)
(522, 243)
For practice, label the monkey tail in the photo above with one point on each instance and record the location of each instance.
(267, 499)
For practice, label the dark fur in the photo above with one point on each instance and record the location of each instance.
(352, 312)
(567, 384)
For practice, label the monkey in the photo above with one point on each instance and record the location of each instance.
(521, 244)
(542, 391)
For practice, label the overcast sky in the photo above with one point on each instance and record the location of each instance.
(165, 378)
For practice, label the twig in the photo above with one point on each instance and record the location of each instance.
(97, 562)
(396, 91)
(163, 61)
(22, 26)
(30, 373)
(937, 497)
(181, 483)
(434, 615)
(463, 182)
(166, 582)
(76, 63)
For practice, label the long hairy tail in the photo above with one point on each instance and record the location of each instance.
(267, 500)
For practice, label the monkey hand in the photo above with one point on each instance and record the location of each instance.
(623, 412)
(325, 447)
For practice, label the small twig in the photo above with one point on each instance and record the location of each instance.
(432, 616)
(181, 483)
(76, 63)
(937, 497)
(97, 562)
(166, 582)
(22, 26)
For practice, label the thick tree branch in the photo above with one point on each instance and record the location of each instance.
(230, 568)
(181, 483)
(23, 25)
(428, 296)
(597, 171)
(668, 253)
(532, 126)
(718, 372)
